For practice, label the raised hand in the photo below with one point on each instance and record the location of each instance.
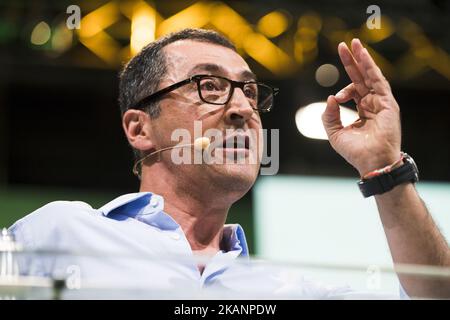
(374, 140)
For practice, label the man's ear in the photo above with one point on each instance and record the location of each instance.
(136, 124)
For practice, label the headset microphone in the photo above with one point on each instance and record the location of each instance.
(199, 144)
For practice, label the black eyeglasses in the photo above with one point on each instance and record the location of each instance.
(219, 90)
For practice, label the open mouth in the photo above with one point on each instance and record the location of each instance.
(236, 142)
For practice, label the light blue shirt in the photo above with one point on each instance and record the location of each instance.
(130, 248)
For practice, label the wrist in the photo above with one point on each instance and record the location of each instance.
(384, 169)
(384, 179)
(380, 162)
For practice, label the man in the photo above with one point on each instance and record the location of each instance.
(196, 75)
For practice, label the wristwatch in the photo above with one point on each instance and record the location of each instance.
(386, 181)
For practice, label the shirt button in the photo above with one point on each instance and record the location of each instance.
(175, 236)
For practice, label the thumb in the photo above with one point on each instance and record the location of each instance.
(331, 117)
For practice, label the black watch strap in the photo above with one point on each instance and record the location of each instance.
(380, 184)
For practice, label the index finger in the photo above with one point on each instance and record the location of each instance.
(352, 69)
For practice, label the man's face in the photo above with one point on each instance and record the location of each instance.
(182, 107)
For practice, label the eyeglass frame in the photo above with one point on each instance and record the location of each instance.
(197, 78)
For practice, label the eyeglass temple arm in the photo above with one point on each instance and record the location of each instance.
(142, 103)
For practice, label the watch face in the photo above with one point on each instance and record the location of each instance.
(411, 160)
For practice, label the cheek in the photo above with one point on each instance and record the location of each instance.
(205, 111)
(255, 121)
(178, 116)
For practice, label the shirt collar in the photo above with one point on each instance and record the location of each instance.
(148, 208)
(143, 206)
(235, 238)
(123, 200)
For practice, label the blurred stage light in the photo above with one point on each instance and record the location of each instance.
(309, 119)
(222, 17)
(273, 24)
(99, 19)
(377, 35)
(327, 75)
(194, 16)
(62, 38)
(40, 34)
(143, 24)
(267, 54)
(310, 20)
(93, 36)
(306, 38)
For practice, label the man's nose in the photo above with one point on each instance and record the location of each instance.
(238, 109)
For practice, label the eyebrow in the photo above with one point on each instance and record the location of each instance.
(246, 75)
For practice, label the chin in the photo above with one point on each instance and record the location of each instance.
(236, 177)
